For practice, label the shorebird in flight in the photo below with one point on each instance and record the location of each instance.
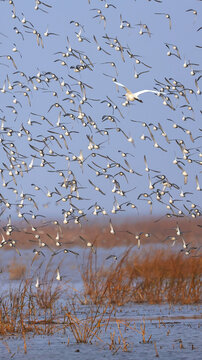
(130, 96)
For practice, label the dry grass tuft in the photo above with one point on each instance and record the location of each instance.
(156, 277)
(139, 277)
(86, 329)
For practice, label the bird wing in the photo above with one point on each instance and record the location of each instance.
(17, 250)
(145, 160)
(112, 231)
(119, 84)
(144, 91)
(170, 24)
(14, 64)
(110, 256)
(84, 240)
(34, 258)
(73, 252)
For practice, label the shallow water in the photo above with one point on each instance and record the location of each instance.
(175, 330)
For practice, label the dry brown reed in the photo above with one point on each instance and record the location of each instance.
(41, 311)
(86, 329)
(156, 351)
(154, 277)
(142, 332)
(26, 309)
(118, 342)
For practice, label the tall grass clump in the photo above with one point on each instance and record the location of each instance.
(147, 277)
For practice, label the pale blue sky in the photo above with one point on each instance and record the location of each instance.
(153, 52)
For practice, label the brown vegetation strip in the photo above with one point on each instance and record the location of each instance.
(154, 278)
(99, 232)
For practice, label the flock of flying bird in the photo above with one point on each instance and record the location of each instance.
(41, 151)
